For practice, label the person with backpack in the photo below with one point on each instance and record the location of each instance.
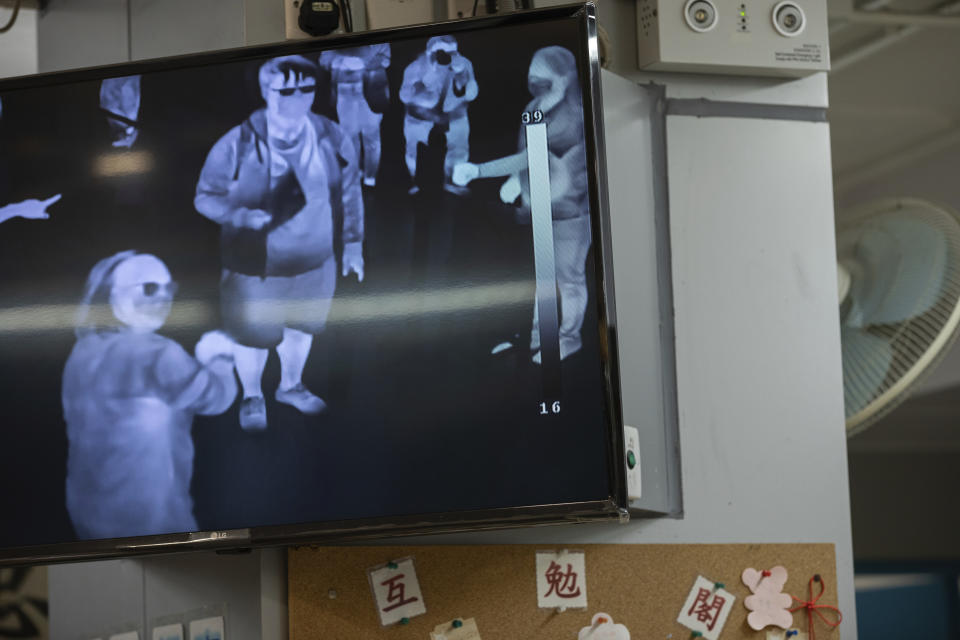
(361, 93)
(275, 184)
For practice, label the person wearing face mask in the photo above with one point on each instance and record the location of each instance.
(129, 397)
(437, 89)
(31, 209)
(362, 92)
(275, 184)
(552, 80)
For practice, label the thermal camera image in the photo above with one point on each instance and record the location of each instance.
(283, 290)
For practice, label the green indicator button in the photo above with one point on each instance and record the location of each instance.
(631, 460)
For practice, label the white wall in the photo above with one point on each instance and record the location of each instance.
(18, 47)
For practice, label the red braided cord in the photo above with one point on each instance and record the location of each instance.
(812, 608)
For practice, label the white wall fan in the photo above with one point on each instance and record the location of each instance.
(898, 264)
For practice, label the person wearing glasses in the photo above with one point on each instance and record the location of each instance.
(275, 184)
(129, 397)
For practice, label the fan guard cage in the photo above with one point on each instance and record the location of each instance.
(920, 342)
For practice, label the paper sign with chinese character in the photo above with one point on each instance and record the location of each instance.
(397, 591)
(561, 579)
(459, 629)
(706, 608)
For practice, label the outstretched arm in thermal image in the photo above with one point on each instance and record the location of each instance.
(466, 172)
(215, 352)
(29, 209)
(204, 384)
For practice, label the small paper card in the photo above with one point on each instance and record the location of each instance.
(207, 629)
(460, 629)
(396, 591)
(168, 632)
(781, 634)
(561, 580)
(706, 608)
(126, 635)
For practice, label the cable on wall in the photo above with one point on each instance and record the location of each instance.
(13, 17)
(347, 16)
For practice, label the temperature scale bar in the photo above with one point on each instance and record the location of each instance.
(538, 163)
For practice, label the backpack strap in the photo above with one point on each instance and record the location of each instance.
(248, 138)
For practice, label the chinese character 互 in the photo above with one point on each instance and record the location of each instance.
(707, 611)
(564, 585)
(396, 589)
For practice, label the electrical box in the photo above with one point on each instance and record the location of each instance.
(738, 37)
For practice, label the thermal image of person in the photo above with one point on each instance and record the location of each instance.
(437, 89)
(31, 209)
(552, 80)
(275, 184)
(129, 398)
(359, 80)
(120, 102)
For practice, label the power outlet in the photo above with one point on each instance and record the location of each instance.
(631, 439)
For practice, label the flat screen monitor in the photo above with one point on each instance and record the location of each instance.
(329, 289)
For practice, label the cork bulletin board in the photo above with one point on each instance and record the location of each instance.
(641, 586)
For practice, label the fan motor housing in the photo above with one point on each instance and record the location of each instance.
(739, 37)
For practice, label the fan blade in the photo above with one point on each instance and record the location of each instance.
(897, 265)
(866, 361)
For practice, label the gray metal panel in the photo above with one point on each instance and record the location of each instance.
(71, 35)
(89, 599)
(174, 27)
(635, 170)
(178, 584)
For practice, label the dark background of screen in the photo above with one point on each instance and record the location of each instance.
(422, 418)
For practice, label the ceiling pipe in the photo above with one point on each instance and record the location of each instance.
(888, 39)
(891, 37)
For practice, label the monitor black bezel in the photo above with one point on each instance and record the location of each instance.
(611, 507)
